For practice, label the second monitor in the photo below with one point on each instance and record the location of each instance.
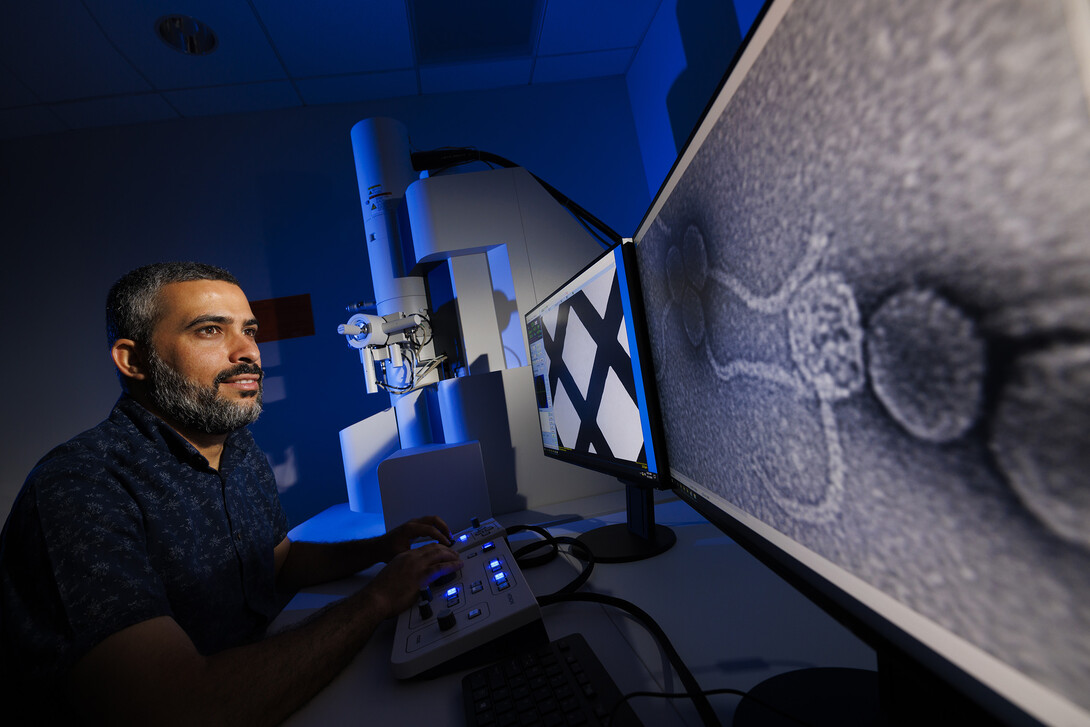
(595, 394)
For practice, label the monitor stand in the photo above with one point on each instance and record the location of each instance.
(818, 696)
(900, 693)
(639, 538)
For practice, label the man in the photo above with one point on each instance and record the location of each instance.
(143, 559)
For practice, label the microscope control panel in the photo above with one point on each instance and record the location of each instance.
(484, 601)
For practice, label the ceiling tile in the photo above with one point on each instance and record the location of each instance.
(358, 87)
(484, 30)
(243, 52)
(57, 50)
(114, 111)
(574, 26)
(475, 76)
(30, 121)
(326, 37)
(236, 99)
(575, 66)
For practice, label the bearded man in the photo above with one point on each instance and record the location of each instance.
(144, 559)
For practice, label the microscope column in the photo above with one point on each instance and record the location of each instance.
(383, 171)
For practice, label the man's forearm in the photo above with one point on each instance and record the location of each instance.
(293, 665)
(299, 662)
(150, 673)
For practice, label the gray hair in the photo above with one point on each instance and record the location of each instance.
(132, 305)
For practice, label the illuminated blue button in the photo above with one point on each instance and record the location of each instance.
(463, 538)
(488, 546)
(495, 565)
(452, 592)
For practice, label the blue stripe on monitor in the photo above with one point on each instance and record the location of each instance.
(637, 372)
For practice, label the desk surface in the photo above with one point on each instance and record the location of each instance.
(733, 621)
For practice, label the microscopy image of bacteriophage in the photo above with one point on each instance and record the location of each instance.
(926, 364)
(868, 301)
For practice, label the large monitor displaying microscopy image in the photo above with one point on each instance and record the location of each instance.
(591, 365)
(870, 270)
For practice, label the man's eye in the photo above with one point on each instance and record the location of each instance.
(251, 332)
(210, 330)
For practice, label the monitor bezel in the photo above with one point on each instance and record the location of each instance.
(629, 472)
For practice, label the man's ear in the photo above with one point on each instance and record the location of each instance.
(127, 359)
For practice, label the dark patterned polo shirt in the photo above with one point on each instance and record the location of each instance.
(127, 522)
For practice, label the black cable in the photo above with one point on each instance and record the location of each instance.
(525, 558)
(578, 211)
(431, 330)
(710, 693)
(567, 594)
(402, 389)
(523, 555)
(692, 687)
(553, 542)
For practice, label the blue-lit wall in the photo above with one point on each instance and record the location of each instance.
(681, 60)
(273, 197)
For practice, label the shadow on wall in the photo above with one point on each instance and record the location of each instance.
(710, 37)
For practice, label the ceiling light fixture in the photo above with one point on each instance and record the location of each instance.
(186, 35)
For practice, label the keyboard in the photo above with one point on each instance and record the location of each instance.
(559, 683)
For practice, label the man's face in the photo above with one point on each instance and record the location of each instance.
(204, 369)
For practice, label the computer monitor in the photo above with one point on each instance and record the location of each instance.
(867, 283)
(590, 361)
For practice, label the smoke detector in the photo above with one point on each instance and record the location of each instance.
(186, 35)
